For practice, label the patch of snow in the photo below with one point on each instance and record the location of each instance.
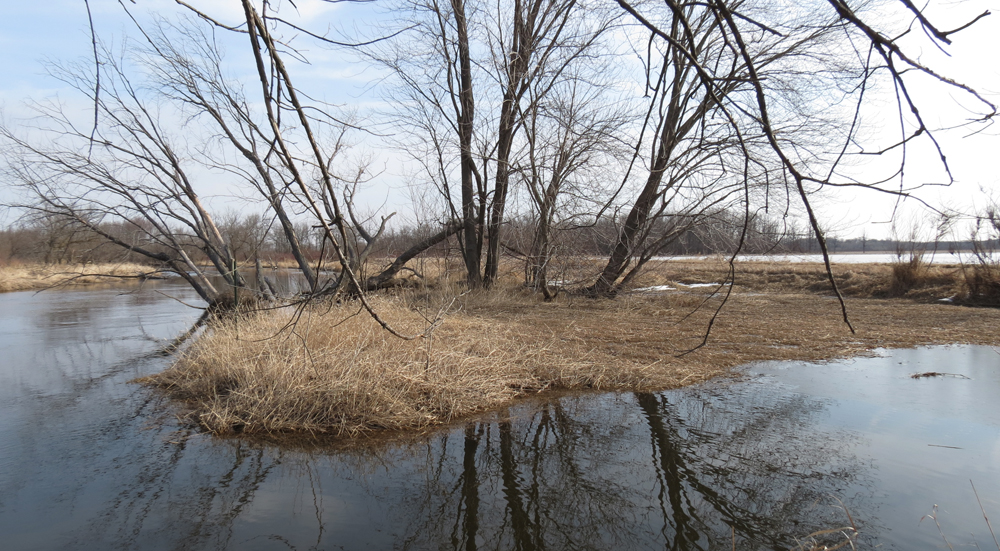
(940, 257)
(697, 285)
(655, 288)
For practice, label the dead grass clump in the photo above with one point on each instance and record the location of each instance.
(981, 284)
(907, 273)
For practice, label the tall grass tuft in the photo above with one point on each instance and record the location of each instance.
(908, 272)
(982, 284)
(982, 275)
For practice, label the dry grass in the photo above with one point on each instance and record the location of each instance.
(982, 284)
(923, 281)
(907, 274)
(30, 277)
(920, 281)
(336, 372)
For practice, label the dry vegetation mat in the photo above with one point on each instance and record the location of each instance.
(329, 369)
(34, 277)
(913, 280)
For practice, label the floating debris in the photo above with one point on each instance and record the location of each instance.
(937, 374)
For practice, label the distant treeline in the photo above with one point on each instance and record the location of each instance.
(252, 236)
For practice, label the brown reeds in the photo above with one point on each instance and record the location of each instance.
(981, 284)
(907, 273)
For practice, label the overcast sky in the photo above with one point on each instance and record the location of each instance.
(34, 32)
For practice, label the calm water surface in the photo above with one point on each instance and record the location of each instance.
(90, 461)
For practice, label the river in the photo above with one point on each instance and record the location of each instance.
(89, 460)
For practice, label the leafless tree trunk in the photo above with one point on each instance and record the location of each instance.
(678, 109)
(386, 276)
(572, 138)
(132, 173)
(465, 114)
(542, 42)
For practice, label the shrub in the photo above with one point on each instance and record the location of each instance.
(907, 272)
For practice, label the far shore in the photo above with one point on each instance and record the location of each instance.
(37, 277)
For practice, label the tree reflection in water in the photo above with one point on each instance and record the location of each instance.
(673, 470)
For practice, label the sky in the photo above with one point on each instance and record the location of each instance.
(974, 160)
(45, 33)
(37, 33)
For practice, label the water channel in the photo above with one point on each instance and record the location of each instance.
(89, 460)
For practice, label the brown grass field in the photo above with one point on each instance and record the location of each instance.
(36, 277)
(330, 369)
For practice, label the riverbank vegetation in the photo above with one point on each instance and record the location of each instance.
(329, 369)
(37, 276)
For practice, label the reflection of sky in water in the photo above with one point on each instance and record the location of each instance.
(927, 437)
(88, 461)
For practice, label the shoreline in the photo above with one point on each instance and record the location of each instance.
(329, 369)
(337, 374)
(40, 277)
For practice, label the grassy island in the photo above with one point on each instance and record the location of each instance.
(329, 368)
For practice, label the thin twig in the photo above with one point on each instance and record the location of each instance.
(995, 542)
(97, 78)
(933, 516)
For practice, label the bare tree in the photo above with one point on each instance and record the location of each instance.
(702, 151)
(536, 45)
(462, 75)
(132, 171)
(751, 42)
(186, 64)
(573, 139)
